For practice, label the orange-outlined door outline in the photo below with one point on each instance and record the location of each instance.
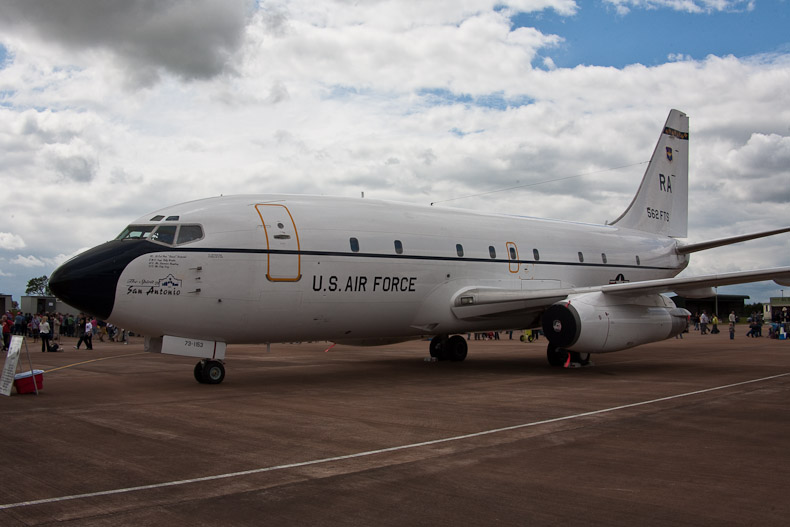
(512, 257)
(284, 261)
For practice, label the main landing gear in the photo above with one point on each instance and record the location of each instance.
(444, 347)
(209, 371)
(559, 357)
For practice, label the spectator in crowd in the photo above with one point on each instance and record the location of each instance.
(7, 327)
(85, 328)
(703, 323)
(44, 330)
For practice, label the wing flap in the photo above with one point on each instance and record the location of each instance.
(678, 285)
(485, 302)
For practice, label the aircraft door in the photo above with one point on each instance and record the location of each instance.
(282, 243)
(512, 257)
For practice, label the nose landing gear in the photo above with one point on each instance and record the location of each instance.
(209, 372)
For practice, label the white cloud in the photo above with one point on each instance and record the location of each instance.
(10, 241)
(691, 6)
(28, 261)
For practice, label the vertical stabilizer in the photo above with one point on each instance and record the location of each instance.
(661, 203)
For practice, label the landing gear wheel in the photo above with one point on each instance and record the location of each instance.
(456, 348)
(438, 347)
(199, 371)
(213, 372)
(557, 356)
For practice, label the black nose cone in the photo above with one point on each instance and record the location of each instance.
(89, 281)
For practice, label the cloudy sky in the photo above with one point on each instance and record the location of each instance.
(111, 109)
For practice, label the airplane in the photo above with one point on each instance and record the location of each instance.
(197, 276)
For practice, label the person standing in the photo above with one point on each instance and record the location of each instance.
(703, 323)
(7, 327)
(19, 324)
(85, 329)
(43, 332)
(88, 334)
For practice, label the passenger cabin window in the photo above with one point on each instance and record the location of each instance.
(491, 251)
(581, 257)
(459, 249)
(398, 247)
(603, 257)
(189, 233)
(536, 254)
(637, 260)
(512, 253)
(354, 244)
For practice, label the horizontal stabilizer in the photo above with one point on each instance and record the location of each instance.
(694, 247)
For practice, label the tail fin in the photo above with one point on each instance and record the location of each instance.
(661, 203)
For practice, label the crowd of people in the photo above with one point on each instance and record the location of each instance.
(779, 324)
(51, 327)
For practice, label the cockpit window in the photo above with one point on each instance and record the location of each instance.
(165, 234)
(189, 233)
(136, 232)
(157, 218)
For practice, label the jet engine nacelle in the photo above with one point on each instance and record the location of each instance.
(598, 323)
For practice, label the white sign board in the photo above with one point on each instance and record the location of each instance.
(11, 360)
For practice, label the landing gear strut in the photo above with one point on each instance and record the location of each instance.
(209, 371)
(452, 348)
(558, 357)
(580, 358)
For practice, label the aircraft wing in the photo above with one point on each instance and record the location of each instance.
(481, 302)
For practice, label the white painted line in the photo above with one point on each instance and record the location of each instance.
(374, 452)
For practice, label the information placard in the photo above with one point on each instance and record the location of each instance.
(11, 360)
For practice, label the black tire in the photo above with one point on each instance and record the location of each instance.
(199, 372)
(557, 356)
(435, 347)
(456, 348)
(213, 372)
(438, 347)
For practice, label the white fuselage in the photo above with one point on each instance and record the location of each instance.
(274, 268)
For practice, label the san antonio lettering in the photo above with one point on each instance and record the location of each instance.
(153, 290)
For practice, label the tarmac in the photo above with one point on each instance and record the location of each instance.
(679, 432)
